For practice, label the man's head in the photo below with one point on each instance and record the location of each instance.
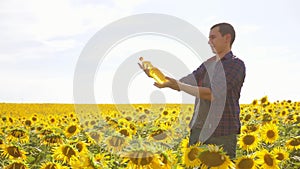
(221, 37)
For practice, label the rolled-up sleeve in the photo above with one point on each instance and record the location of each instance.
(226, 77)
(193, 78)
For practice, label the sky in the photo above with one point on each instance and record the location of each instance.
(41, 42)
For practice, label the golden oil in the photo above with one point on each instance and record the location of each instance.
(154, 72)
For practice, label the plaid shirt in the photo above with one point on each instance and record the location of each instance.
(221, 116)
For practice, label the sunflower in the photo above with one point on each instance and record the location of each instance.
(142, 159)
(190, 156)
(100, 160)
(246, 162)
(13, 152)
(160, 135)
(249, 128)
(246, 117)
(94, 136)
(168, 158)
(52, 165)
(255, 102)
(293, 143)
(264, 100)
(248, 141)
(267, 160)
(280, 154)
(125, 132)
(81, 147)
(52, 139)
(2, 142)
(214, 158)
(269, 133)
(84, 161)
(116, 143)
(45, 131)
(66, 153)
(283, 113)
(18, 134)
(72, 130)
(17, 165)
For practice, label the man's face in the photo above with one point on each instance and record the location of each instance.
(216, 41)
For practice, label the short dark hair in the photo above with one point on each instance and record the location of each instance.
(225, 28)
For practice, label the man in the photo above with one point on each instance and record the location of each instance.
(216, 84)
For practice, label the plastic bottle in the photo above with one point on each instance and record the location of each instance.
(154, 72)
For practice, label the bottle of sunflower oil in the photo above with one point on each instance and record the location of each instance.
(154, 72)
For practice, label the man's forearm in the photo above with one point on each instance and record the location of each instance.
(199, 92)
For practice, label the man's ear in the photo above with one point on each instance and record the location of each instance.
(228, 37)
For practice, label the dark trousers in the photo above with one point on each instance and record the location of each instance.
(228, 142)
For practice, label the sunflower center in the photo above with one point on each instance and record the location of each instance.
(295, 142)
(165, 113)
(79, 147)
(252, 128)
(247, 117)
(72, 129)
(51, 166)
(270, 134)
(211, 159)
(124, 132)
(116, 141)
(141, 157)
(268, 160)
(14, 151)
(52, 139)
(248, 139)
(246, 163)
(280, 156)
(18, 133)
(28, 122)
(69, 152)
(159, 135)
(16, 165)
(192, 155)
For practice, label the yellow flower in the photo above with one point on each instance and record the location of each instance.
(280, 154)
(264, 100)
(66, 153)
(18, 134)
(52, 139)
(269, 133)
(255, 102)
(249, 128)
(52, 165)
(190, 156)
(214, 158)
(143, 159)
(267, 160)
(246, 162)
(100, 160)
(116, 143)
(248, 141)
(161, 135)
(13, 152)
(293, 143)
(168, 158)
(17, 165)
(72, 130)
(125, 132)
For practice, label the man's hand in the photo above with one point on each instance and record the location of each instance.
(171, 83)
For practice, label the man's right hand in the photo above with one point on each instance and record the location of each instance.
(171, 83)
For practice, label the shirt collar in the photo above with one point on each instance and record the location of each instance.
(228, 56)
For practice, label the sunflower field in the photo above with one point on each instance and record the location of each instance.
(138, 136)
